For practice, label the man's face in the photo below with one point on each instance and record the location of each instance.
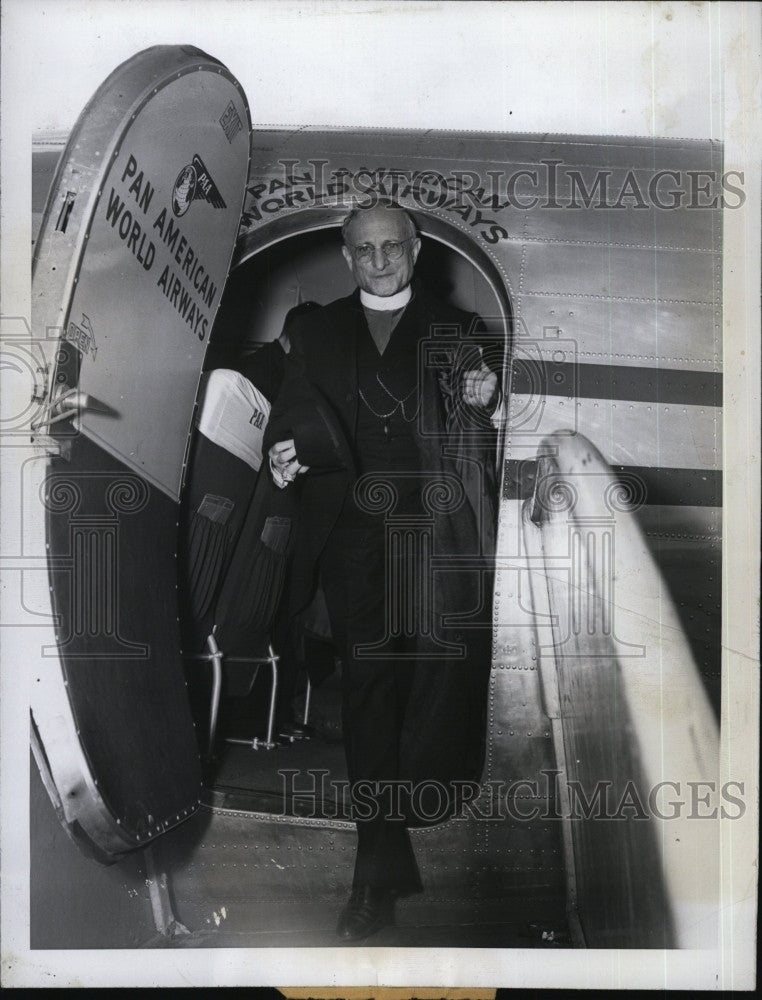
(378, 274)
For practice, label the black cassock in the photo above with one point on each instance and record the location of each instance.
(396, 521)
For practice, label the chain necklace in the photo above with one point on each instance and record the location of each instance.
(399, 404)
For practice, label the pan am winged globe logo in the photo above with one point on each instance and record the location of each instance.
(185, 188)
(195, 182)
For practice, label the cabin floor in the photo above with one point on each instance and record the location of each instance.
(235, 883)
(514, 923)
(242, 876)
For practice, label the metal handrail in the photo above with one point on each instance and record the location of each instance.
(215, 656)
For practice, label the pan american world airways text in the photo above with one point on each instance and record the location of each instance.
(183, 280)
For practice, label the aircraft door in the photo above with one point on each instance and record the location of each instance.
(129, 269)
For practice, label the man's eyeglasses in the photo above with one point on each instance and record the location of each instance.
(392, 249)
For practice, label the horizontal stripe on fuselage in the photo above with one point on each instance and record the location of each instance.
(660, 486)
(657, 385)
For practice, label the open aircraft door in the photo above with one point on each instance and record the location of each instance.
(129, 269)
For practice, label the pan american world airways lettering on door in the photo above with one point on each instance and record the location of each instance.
(194, 183)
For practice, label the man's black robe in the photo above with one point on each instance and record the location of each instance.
(318, 408)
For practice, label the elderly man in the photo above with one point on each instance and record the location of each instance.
(383, 421)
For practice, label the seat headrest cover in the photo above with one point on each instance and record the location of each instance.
(233, 414)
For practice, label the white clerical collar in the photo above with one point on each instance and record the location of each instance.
(386, 304)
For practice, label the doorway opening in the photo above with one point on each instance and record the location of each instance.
(264, 285)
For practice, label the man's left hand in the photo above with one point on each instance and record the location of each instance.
(284, 464)
(480, 388)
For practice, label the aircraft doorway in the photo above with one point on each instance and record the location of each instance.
(261, 290)
(264, 286)
(286, 812)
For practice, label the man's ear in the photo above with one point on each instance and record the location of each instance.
(347, 257)
(416, 249)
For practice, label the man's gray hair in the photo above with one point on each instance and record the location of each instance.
(386, 203)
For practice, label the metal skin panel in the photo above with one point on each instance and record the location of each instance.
(627, 432)
(241, 878)
(242, 859)
(374, 146)
(663, 335)
(607, 272)
(693, 232)
(166, 136)
(630, 710)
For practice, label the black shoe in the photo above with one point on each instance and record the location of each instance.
(367, 911)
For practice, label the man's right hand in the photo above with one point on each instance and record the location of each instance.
(284, 464)
(480, 388)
